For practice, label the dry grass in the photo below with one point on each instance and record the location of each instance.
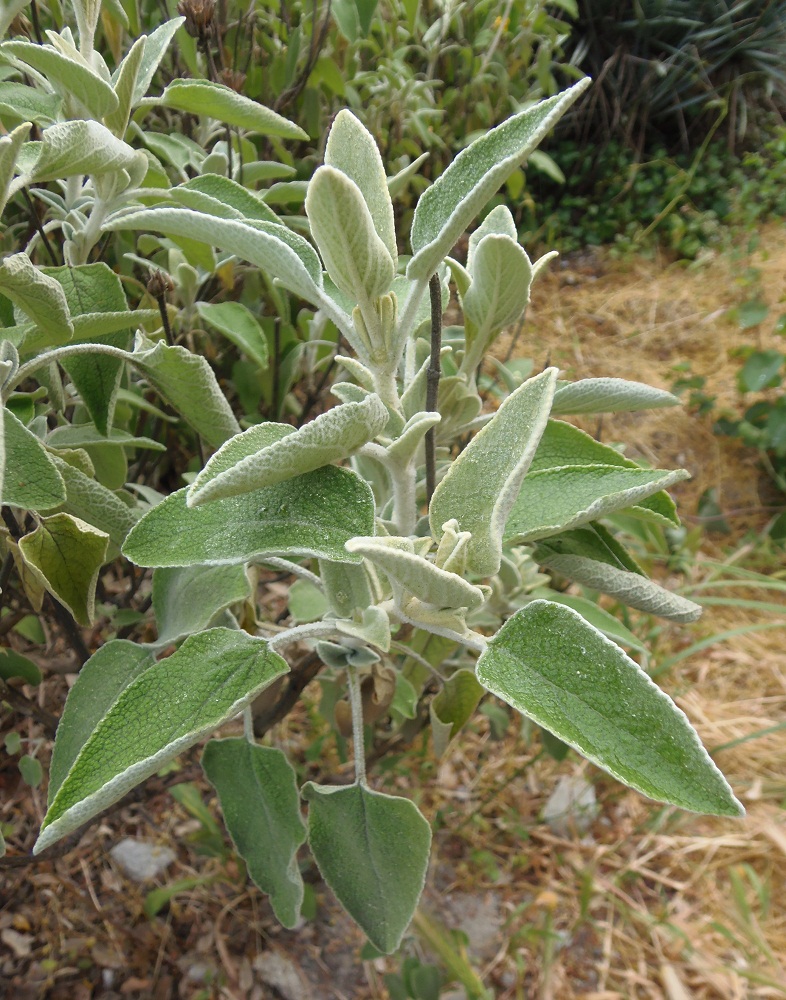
(651, 903)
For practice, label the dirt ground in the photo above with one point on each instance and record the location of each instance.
(650, 902)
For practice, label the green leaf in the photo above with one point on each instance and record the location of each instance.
(372, 850)
(203, 97)
(347, 587)
(9, 150)
(31, 771)
(124, 85)
(13, 664)
(187, 382)
(78, 147)
(18, 101)
(85, 435)
(187, 599)
(609, 395)
(71, 78)
(355, 256)
(90, 290)
(240, 326)
(455, 198)
(351, 149)
(156, 44)
(481, 485)
(312, 515)
(307, 603)
(453, 707)
(165, 710)
(563, 444)
(501, 276)
(601, 620)
(100, 682)
(554, 500)
(223, 197)
(38, 296)
(90, 501)
(31, 479)
(251, 461)
(258, 794)
(761, 371)
(554, 667)
(66, 554)
(277, 251)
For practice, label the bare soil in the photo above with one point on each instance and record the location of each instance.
(651, 902)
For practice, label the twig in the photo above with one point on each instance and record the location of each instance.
(19, 703)
(72, 631)
(432, 382)
(35, 219)
(297, 680)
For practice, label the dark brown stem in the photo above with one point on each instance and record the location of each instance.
(296, 682)
(34, 219)
(161, 300)
(318, 37)
(432, 382)
(72, 631)
(36, 23)
(25, 706)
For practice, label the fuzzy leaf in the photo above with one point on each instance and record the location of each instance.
(90, 501)
(71, 78)
(446, 209)
(554, 500)
(66, 555)
(221, 196)
(187, 599)
(453, 707)
(609, 395)
(352, 150)
(124, 86)
(99, 684)
(27, 104)
(277, 251)
(499, 222)
(330, 437)
(38, 296)
(554, 667)
(483, 482)
(203, 97)
(372, 850)
(9, 150)
(258, 794)
(501, 276)
(187, 382)
(167, 709)
(78, 147)
(156, 44)
(312, 515)
(31, 479)
(417, 575)
(355, 257)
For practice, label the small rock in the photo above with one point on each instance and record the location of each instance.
(571, 808)
(141, 860)
(280, 972)
(20, 944)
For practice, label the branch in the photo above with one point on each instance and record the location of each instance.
(432, 383)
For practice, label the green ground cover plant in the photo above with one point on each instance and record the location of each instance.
(413, 520)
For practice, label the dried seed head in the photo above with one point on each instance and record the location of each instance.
(159, 284)
(198, 15)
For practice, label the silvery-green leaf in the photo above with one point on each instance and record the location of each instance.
(239, 325)
(86, 13)
(203, 97)
(167, 709)
(213, 194)
(408, 441)
(372, 850)
(31, 479)
(312, 515)
(564, 444)
(347, 586)
(609, 395)
(355, 257)
(8, 12)
(90, 501)
(499, 222)
(125, 84)
(606, 623)
(592, 541)
(453, 707)
(65, 554)
(625, 586)
(277, 251)
(72, 78)
(501, 275)
(482, 484)
(550, 664)
(554, 500)
(9, 150)
(38, 296)
(85, 435)
(307, 602)
(156, 44)
(78, 147)
(187, 382)
(259, 799)
(352, 150)
(455, 198)
(187, 599)
(398, 182)
(332, 436)
(26, 104)
(99, 684)
(417, 575)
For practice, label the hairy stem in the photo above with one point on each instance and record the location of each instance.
(432, 383)
(358, 743)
